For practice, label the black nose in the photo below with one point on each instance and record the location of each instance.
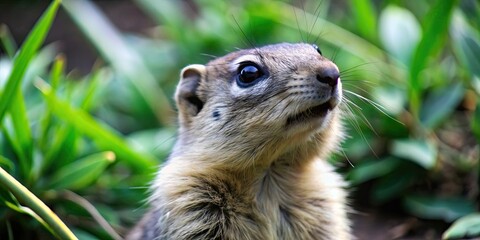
(329, 76)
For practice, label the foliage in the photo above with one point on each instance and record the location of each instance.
(88, 146)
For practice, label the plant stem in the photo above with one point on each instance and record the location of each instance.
(30, 200)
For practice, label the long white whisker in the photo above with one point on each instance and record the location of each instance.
(377, 106)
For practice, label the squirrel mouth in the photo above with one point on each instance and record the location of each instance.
(313, 112)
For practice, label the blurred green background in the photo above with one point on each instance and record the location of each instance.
(87, 115)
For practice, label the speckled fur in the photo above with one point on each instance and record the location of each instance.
(238, 170)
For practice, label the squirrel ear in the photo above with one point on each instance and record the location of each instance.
(189, 102)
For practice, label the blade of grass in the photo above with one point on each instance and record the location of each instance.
(9, 134)
(87, 125)
(25, 210)
(434, 32)
(64, 148)
(7, 41)
(82, 172)
(56, 73)
(27, 51)
(123, 58)
(23, 135)
(31, 201)
(365, 18)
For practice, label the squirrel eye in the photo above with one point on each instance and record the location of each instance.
(248, 74)
(318, 49)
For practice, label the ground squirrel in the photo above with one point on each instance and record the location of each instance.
(249, 163)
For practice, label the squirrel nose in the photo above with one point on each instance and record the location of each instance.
(329, 76)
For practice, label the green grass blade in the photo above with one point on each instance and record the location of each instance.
(7, 41)
(82, 172)
(31, 201)
(9, 134)
(27, 51)
(123, 58)
(25, 210)
(23, 133)
(365, 18)
(103, 136)
(94, 82)
(434, 32)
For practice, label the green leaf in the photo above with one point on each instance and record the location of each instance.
(31, 213)
(32, 202)
(81, 173)
(466, 42)
(420, 152)
(122, 57)
(7, 41)
(392, 185)
(440, 103)
(56, 74)
(365, 18)
(465, 227)
(27, 52)
(434, 33)
(392, 99)
(6, 163)
(370, 169)
(103, 136)
(23, 135)
(439, 208)
(399, 32)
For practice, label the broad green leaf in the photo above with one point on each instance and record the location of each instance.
(27, 52)
(392, 185)
(371, 169)
(391, 98)
(420, 152)
(439, 208)
(466, 42)
(465, 227)
(81, 173)
(365, 17)
(434, 33)
(399, 32)
(440, 103)
(103, 136)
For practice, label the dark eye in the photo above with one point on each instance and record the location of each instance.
(318, 49)
(248, 74)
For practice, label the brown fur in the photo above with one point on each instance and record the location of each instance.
(239, 170)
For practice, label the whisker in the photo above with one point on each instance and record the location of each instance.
(376, 105)
(298, 24)
(357, 128)
(316, 13)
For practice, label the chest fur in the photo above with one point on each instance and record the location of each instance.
(279, 205)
